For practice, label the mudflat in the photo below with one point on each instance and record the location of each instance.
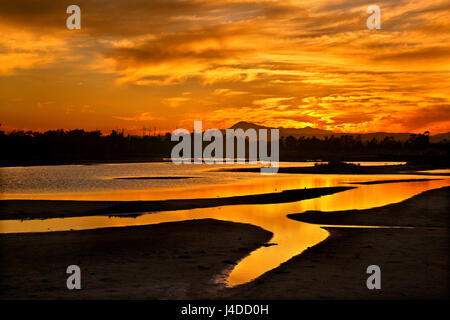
(44, 209)
(182, 260)
(414, 261)
(190, 260)
(428, 209)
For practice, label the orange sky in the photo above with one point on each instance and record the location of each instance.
(167, 63)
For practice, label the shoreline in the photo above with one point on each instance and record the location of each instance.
(24, 163)
(157, 261)
(352, 170)
(45, 209)
(136, 262)
(13, 164)
(414, 262)
(428, 208)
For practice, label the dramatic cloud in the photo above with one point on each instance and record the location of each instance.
(280, 63)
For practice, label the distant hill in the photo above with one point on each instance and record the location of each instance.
(307, 131)
(440, 137)
(247, 125)
(320, 133)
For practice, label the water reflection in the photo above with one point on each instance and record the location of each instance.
(292, 237)
(97, 182)
(436, 171)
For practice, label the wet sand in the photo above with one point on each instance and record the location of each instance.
(414, 262)
(44, 209)
(165, 261)
(182, 260)
(428, 209)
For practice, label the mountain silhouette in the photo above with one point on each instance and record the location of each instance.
(320, 133)
(247, 125)
(307, 131)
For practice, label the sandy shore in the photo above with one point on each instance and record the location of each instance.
(428, 209)
(414, 262)
(182, 260)
(44, 209)
(165, 261)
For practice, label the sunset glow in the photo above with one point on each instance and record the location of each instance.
(163, 64)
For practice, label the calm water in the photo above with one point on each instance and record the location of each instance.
(291, 237)
(97, 182)
(437, 171)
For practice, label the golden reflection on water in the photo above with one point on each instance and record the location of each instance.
(242, 185)
(292, 237)
(436, 171)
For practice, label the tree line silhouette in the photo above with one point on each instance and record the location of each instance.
(78, 146)
(417, 148)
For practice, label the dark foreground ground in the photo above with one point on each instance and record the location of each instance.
(183, 260)
(414, 262)
(165, 261)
